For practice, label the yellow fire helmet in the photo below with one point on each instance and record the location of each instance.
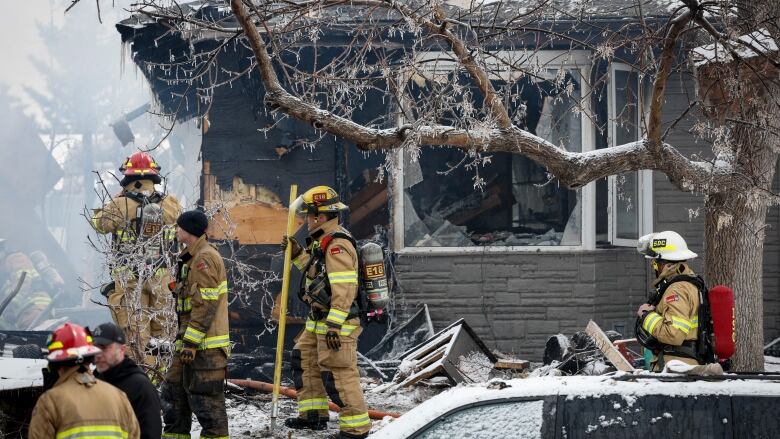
(319, 199)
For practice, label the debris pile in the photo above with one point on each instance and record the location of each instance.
(589, 352)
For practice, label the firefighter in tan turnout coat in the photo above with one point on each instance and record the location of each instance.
(324, 359)
(669, 323)
(196, 381)
(78, 405)
(141, 222)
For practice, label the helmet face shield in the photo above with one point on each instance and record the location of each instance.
(644, 246)
(300, 207)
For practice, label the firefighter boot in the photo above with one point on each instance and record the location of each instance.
(309, 422)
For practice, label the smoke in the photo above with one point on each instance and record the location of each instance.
(66, 80)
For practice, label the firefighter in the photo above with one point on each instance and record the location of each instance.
(324, 358)
(78, 405)
(32, 299)
(141, 222)
(668, 324)
(195, 382)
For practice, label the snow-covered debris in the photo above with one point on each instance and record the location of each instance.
(771, 364)
(747, 46)
(596, 367)
(547, 370)
(455, 352)
(20, 373)
(406, 367)
(476, 366)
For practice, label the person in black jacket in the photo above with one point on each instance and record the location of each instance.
(116, 369)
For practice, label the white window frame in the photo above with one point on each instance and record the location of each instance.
(644, 177)
(573, 60)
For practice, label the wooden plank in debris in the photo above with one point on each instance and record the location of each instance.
(606, 347)
(512, 364)
(428, 367)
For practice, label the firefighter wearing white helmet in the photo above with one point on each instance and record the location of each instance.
(324, 359)
(668, 324)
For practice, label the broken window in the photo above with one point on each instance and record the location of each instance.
(453, 198)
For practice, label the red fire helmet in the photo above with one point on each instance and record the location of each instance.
(70, 342)
(140, 163)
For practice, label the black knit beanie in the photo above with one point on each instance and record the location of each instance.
(193, 222)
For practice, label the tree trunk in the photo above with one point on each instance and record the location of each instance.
(740, 98)
(734, 253)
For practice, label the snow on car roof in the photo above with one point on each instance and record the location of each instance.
(20, 373)
(572, 387)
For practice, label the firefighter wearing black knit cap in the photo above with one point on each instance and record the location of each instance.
(195, 382)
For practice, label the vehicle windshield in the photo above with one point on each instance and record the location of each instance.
(522, 418)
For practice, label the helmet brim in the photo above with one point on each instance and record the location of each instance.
(679, 255)
(70, 354)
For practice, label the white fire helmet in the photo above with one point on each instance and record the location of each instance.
(667, 245)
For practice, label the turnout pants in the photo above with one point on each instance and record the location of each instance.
(147, 316)
(318, 371)
(197, 388)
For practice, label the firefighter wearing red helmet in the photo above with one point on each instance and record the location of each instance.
(77, 405)
(141, 220)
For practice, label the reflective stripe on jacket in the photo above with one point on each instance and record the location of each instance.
(80, 406)
(676, 317)
(341, 265)
(202, 303)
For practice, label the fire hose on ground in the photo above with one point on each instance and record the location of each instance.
(291, 393)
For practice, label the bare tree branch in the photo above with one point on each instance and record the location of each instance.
(659, 84)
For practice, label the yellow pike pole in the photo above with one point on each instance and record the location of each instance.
(283, 310)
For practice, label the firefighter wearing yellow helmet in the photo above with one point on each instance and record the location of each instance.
(324, 359)
(668, 324)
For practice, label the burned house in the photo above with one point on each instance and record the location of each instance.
(520, 257)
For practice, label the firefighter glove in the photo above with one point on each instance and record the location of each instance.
(644, 309)
(187, 354)
(296, 247)
(332, 339)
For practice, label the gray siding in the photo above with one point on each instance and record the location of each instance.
(515, 302)
(772, 272)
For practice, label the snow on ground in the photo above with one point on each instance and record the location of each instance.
(249, 415)
(18, 373)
